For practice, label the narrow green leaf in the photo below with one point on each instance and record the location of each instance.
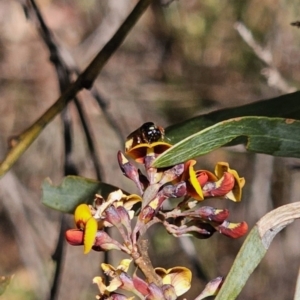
(73, 191)
(275, 136)
(255, 247)
(245, 263)
(286, 106)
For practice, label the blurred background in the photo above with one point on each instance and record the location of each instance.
(181, 60)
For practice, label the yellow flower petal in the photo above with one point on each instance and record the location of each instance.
(100, 282)
(124, 264)
(86, 222)
(129, 201)
(113, 272)
(90, 232)
(115, 196)
(179, 277)
(108, 269)
(237, 189)
(114, 284)
(139, 151)
(82, 214)
(193, 180)
(236, 193)
(154, 203)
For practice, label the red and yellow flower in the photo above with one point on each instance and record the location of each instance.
(202, 183)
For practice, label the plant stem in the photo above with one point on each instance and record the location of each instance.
(144, 263)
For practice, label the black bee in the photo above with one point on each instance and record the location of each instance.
(147, 133)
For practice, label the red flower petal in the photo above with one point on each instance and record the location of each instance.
(233, 230)
(74, 237)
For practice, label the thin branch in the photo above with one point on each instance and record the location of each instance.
(59, 59)
(296, 24)
(273, 76)
(114, 13)
(63, 72)
(69, 166)
(89, 139)
(109, 117)
(58, 257)
(88, 77)
(85, 80)
(63, 75)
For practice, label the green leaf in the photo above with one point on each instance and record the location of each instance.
(73, 191)
(255, 247)
(275, 136)
(286, 106)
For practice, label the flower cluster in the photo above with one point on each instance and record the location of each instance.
(173, 283)
(170, 196)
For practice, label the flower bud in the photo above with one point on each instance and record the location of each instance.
(104, 242)
(212, 288)
(208, 213)
(129, 170)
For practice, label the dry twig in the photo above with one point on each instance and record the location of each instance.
(273, 76)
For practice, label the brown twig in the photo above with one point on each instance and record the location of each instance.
(85, 80)
(296, 24)
(144, 263)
